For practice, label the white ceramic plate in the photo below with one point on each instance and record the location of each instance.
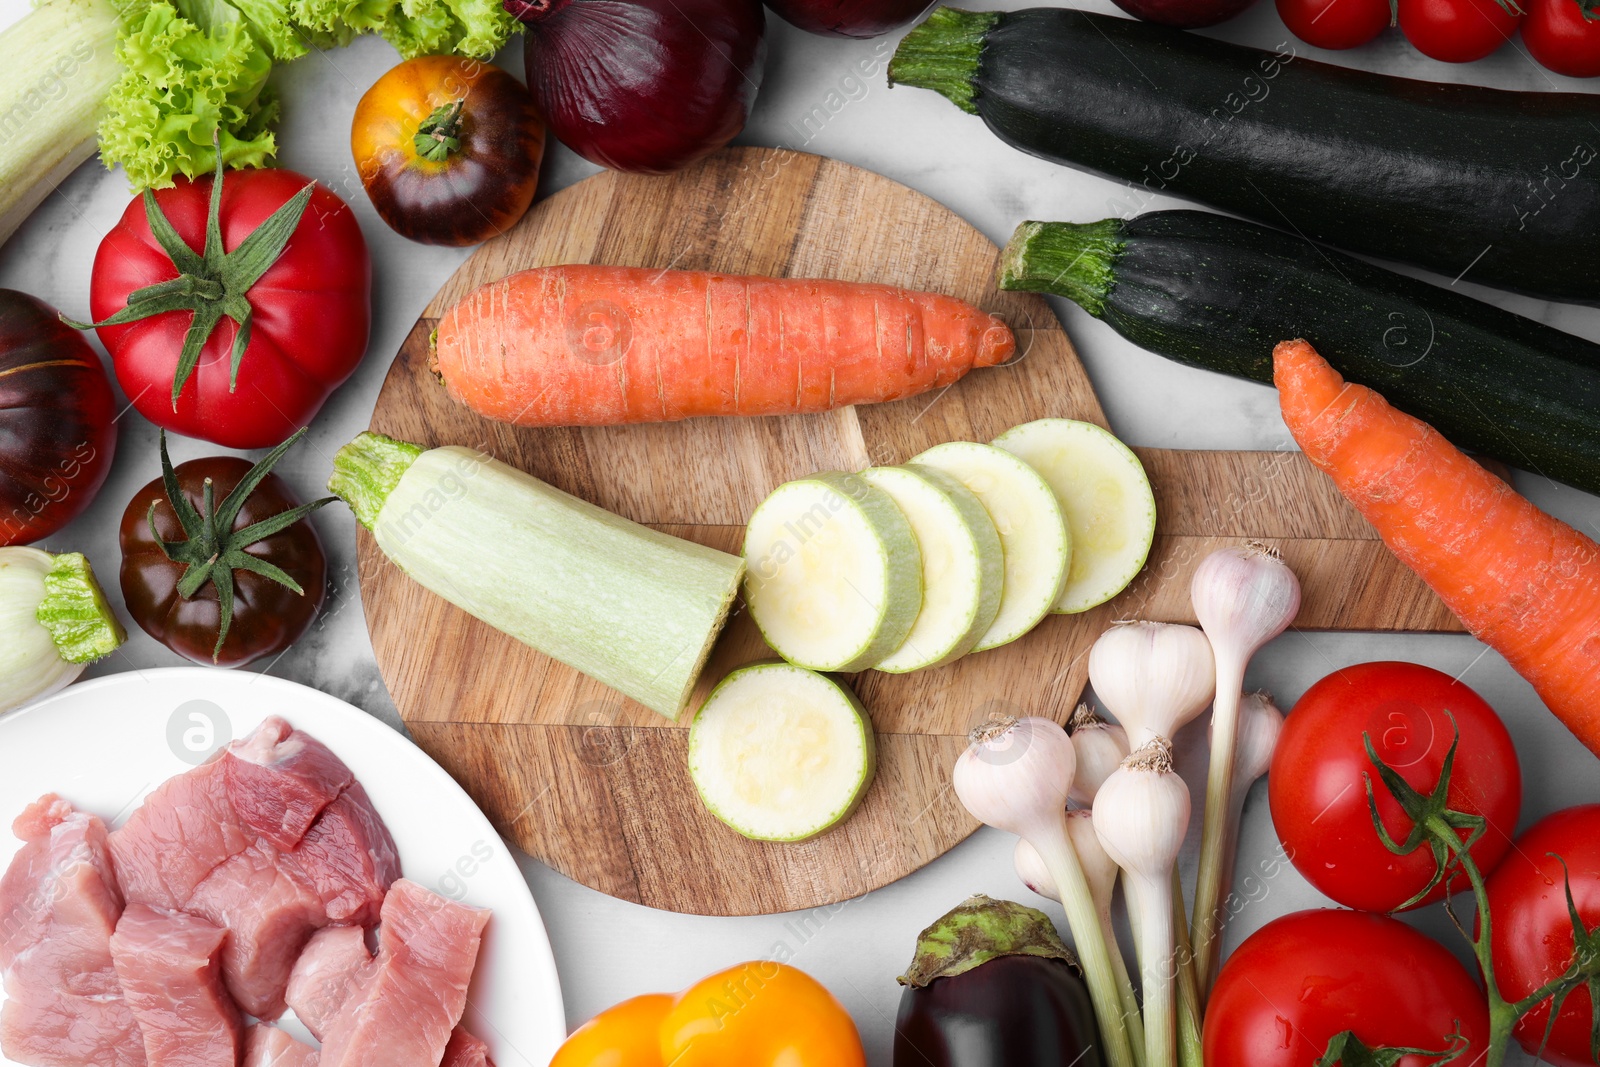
(104, 744)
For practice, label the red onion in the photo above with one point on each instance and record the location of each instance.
(643, 85)
(848, 18)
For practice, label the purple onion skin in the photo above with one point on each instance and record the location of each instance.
(647, 86)
(848, 18)
(1185, 14)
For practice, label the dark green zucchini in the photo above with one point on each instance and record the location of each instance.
(1216, 292)
(1503, 187)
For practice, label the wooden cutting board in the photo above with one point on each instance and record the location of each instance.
(595, 785)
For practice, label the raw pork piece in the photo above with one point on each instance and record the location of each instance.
(280, 779)
(333, 967)
(349, 857)
(267, 1046)
(171, 978)
(183, 831)
(464, 1050)
(270, 913)
(59, 904)
(328, 973)
(409, 1004)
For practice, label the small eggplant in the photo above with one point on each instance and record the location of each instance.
(993, 986)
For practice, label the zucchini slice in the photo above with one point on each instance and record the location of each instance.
(963, 565)
(1105, 496)
(1033, 533)
(833, 576)
(780, 753)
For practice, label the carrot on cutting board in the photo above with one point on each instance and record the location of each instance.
(1524, 583)
(586, 345)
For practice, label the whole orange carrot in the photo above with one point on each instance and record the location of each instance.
(1524, 583)
(590, 346)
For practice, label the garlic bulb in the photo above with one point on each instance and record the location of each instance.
(1101, 746)
(1155, 677)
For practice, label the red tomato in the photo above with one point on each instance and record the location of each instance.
(1302, 980)
(311, 311)
(1456, 31)
(1532, 941)
(1560, 37)
(1317, 787)
(1335, 23)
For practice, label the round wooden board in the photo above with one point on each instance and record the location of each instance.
(595, 785)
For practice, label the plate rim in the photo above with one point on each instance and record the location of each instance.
(397, 742)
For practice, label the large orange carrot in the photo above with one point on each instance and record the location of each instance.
(590, 346)
(1524, 583)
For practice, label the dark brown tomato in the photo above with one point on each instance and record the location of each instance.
(267, 617)
(57, 434)
(448, 149)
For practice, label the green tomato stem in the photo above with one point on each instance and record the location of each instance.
(440, 133)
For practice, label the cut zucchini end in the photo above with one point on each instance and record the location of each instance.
(1105, 496)
(833, 575)
(1033, 532)
(963, 565)
(781, 753)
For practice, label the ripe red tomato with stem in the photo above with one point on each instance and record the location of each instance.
(1457, 31)
(1318, 782)
(1564, 36)
(233, 307)
(1335, 23)
(1533, 939)
(1302, 980)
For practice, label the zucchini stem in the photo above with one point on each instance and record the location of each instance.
(75, 612)
(942, 54)
(1074, 260)
(366, 470)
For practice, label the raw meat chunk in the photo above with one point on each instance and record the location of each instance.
(280, 779)
(168, 965)
(407, 1007)
(464, 1050)
(59, 904)
(330, 970)
(267, 1046)
(350, 859)
(183, 831)
(270, 914)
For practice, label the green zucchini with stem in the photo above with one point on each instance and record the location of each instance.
(1501, 186)
(1219, 293)
(630, 607)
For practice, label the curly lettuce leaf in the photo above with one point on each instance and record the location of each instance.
(182, 89)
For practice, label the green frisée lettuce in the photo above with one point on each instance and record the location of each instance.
(630, 607)
(54, 620)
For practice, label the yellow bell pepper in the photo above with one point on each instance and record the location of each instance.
(758, 1014)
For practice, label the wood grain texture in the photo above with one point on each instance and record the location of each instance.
(596, 785)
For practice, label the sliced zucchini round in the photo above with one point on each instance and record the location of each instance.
(780, 753)
(1105, 496)
(963, 565)
(833, 576)
(1032, 531)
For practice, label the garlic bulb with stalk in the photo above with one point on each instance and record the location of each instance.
(1141, 815)
(1101, 746)
(1155, 677)
(1243, 597)
(1015, 775)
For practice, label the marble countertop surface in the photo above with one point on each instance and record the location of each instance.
(814, 99)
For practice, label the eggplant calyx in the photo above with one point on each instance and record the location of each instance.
(979, 930)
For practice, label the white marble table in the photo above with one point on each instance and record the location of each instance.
(606, 949)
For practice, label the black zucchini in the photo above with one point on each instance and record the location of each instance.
(1503, 187)
(1217, 292)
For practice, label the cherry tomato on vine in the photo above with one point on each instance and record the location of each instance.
(1561, 38)
(1533, 937)
(1456, 31)
(1335, 23)
(1318, 789)
(1301, 980)
(448, 149)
